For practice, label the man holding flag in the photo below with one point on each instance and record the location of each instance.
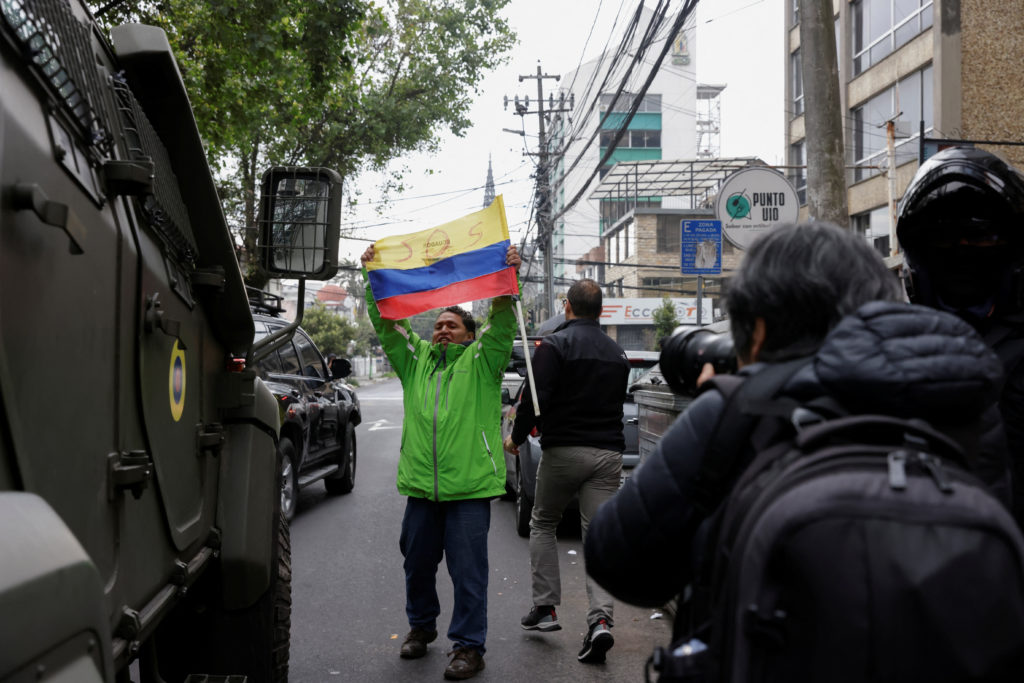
(451, 463)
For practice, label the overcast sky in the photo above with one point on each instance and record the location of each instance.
(739, 43)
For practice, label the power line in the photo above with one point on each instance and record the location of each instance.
(684, 14)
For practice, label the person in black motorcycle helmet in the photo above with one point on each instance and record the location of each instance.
(961, 228)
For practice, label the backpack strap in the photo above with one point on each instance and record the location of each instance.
(747, 400)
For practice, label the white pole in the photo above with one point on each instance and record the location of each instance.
(526, 353)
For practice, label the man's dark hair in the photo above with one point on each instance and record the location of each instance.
(467, 317)
(585, 298)
(802, 279)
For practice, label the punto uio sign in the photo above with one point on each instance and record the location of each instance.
(753, 201)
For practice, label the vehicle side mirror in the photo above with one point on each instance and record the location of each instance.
(341, 368)
(506, 397)
(299, 222)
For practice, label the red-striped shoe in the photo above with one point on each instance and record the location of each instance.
(597, 643)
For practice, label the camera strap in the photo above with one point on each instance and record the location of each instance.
(747, 400)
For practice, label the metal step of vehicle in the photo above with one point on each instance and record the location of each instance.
(317, 474)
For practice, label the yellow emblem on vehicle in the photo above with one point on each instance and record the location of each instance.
(176, 381)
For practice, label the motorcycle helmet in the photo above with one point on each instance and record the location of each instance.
(961, 227)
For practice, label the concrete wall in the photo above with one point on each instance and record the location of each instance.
(992, 46)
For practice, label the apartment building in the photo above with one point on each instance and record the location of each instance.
(948, 68)
(664, 127)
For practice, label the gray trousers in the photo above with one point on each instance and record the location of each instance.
(564, 471)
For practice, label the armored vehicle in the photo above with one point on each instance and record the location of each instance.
(139, 490)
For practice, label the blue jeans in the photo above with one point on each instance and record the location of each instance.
(458, 530)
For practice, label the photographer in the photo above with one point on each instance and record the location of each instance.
(793, 288)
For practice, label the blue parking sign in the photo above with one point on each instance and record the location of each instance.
(701, 242)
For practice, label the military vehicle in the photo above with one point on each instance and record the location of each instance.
(139, 493)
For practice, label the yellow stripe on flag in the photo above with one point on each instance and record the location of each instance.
(418, 249)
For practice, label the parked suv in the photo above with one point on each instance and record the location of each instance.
(522, 470)
(319, 410)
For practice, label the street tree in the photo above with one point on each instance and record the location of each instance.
(347, 84)
(665, 321)
(330, 332)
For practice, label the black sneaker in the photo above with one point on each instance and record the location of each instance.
(598, 641)
(541, 618)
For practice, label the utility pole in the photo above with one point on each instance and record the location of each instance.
(890, 135)
(543, 175)
(826, 174)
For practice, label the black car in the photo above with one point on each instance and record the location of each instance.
(319, 414)
(523, 468)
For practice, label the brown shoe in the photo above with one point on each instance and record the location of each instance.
(466, 663)
(415, 645)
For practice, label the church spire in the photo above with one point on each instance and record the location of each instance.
(489, 187)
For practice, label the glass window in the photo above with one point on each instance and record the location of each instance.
(653, 138)
(669, 235)
(873, 226)
(289, 360)
(312, 364)
(797, 76)
(798, 174)
(652, 103)
(272, 364)
(881, 27)
(913, 96)
(607, 136)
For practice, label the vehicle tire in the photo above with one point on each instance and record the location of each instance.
(524, 508)
(345, 480)
(201, 637)
(288, 464)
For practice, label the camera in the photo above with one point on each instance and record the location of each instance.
(685, 352)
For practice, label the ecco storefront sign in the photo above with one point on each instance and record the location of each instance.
(641, 311)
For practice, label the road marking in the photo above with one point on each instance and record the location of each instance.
(382, 424)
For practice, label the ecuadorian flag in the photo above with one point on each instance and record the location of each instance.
(463, 260)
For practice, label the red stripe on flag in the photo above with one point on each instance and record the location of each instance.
(484, 287)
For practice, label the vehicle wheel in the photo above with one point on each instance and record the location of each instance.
(524, 508)
(201, 637)
(289, 479)
(345, 480)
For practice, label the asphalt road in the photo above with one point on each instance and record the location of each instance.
(348, 595)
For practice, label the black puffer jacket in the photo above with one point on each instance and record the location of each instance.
(887, 358)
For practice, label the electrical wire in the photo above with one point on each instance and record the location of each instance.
(684, 14)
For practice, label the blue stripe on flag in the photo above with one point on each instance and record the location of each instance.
(388, 282)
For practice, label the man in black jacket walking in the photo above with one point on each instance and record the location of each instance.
(580, 375)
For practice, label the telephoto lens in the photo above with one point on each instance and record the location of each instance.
(684, 354)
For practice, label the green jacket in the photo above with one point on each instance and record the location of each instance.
(451, 433)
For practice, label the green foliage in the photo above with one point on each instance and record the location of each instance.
(346, 84)
(423, 323)
(335, 334)
(665, 321)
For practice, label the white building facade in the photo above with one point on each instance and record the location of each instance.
(664, 127)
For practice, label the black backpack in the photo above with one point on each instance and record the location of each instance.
(846, 548)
